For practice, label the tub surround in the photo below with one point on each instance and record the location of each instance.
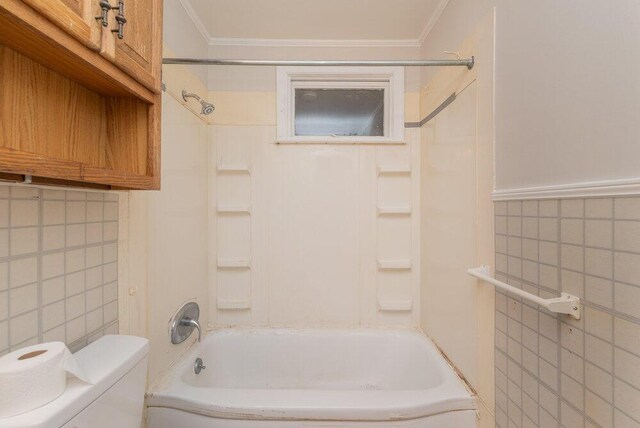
(552, 370)
(58, 266)
(313, 235)
(456, 181)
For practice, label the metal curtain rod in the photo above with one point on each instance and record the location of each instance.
(468, 62)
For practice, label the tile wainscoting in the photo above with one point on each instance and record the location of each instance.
(58, 266)
(551, 370)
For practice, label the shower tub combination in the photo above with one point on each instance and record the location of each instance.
(306, 378)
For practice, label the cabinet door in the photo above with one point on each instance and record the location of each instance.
(76, 17)
(139, 52)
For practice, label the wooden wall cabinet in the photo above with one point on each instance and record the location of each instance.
(76, 17)
(78, 105)
(139, 52)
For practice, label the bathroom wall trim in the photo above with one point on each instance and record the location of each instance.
(432, 22)
(603, 188)
(197, 22)
(390, 43)
(325, 43)
(322, 43)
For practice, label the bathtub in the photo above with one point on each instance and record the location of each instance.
(312, 378)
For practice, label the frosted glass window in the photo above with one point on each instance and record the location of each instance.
(335, 105)
(339, 112)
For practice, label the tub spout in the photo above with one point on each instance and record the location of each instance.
(189, 322)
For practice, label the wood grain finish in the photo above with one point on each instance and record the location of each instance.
(18, 178)
(127, 146)
(140, 51)
(69, 116)
(33, 35)
(20, 163)
(53, 127)
(41, 109)
(76, 17)
(154, 147)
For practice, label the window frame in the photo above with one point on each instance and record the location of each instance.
(391, 79)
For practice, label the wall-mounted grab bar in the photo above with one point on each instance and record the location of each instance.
(565, 304)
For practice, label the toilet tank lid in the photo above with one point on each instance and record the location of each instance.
(104, 362)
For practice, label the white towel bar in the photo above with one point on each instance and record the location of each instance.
(565, 304)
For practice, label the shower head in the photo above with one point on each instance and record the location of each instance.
(207, 108)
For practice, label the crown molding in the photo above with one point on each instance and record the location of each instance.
(191, 13)
(324, 43)
(435, 16)
(591, 189)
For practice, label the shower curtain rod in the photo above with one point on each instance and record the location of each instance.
(467, 62)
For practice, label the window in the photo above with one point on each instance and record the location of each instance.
(341, 104)
(338, 112)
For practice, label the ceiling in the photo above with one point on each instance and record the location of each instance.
(391, 22)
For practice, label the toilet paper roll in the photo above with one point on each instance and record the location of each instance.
(34, 376)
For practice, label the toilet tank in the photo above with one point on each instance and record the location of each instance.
(117, 367)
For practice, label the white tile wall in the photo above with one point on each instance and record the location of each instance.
(58, 266)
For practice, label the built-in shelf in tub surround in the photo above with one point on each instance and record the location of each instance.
(394, 210)
(394, 264)
(234, 263)
(394, 222)
(233, 169)
(233, 209)
(395, 305)
(393, 169)
(234, 224)
(233, 304)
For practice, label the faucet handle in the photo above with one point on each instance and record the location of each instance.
(184, 321)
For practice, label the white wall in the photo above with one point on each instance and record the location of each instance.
(261, 79)
(168, 240)
(448, 172)
(567, 87)
(181, 38)
(178, 225)
(247, 95)
(457, 223)
(310, 234)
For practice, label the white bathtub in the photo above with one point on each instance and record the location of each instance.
(303, 378)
